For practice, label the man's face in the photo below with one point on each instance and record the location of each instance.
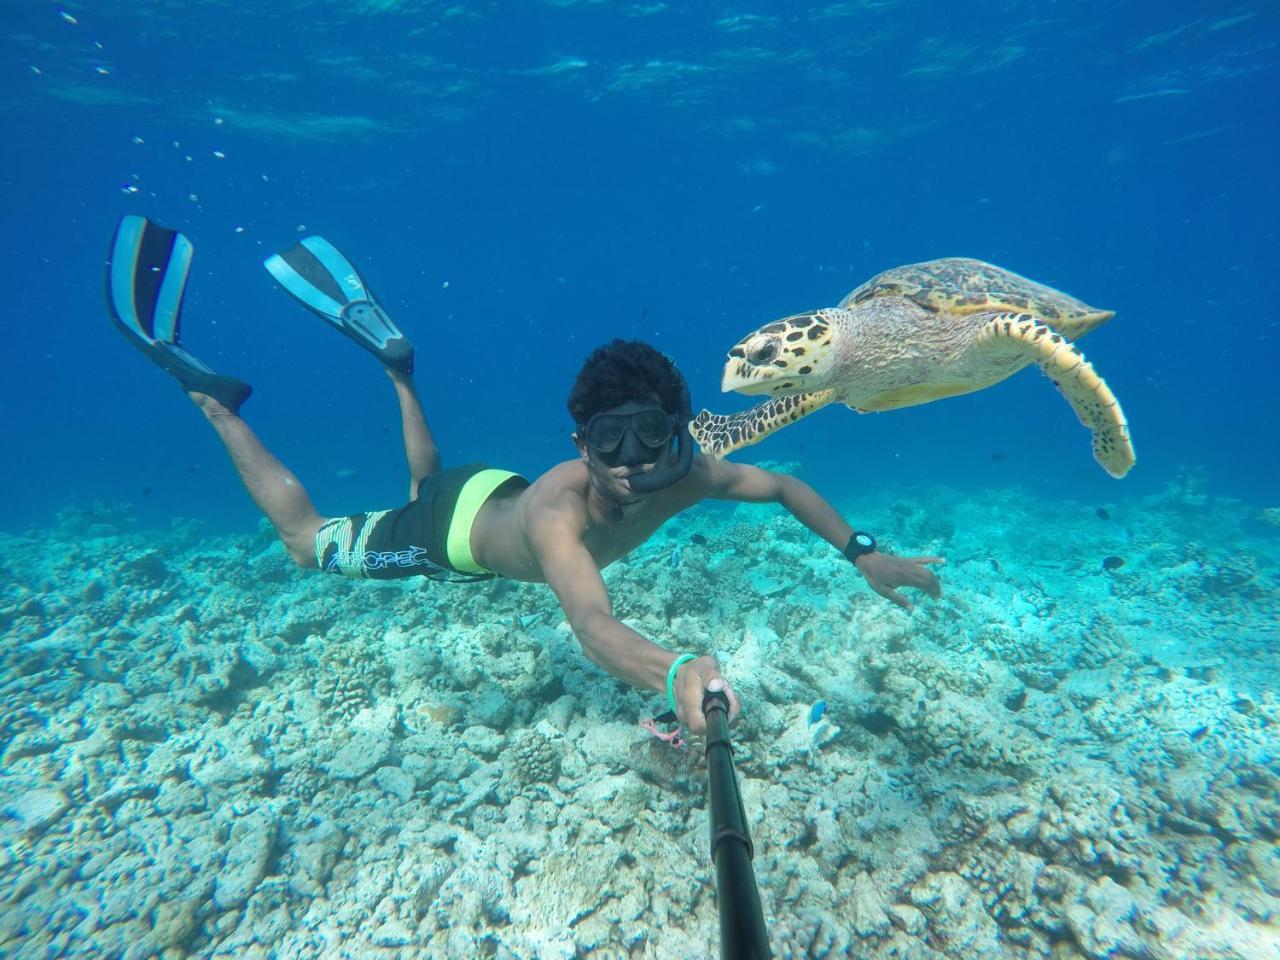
(623, 441)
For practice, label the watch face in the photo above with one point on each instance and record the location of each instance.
(864, 540)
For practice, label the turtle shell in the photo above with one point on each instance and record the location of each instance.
(963, 287)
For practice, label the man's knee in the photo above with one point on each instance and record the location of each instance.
(302, 546)
(304, 557)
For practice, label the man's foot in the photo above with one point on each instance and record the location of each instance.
(146, 277)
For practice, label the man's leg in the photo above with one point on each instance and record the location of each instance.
(270, 483)
(419, 446)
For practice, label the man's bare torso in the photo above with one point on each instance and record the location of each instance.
(500, 536)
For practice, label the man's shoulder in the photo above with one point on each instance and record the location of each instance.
(567, 475)
(563, 487)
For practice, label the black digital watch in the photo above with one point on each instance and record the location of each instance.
(859, 545)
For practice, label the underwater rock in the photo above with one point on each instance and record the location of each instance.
(763, 584)
(484, 742)
(172, 923)
(560, 713)
(1101, 923)
(617, 800)
(272, 565)
(492, 708)
(36, 810)
(315, 852)
(867, 915)
(810, 934)
(605, 747)
(258, 658)
(227, 765)
(395, 781)
(392, 933)
(146, 569)
(249, 849)
(949, 724)
(358, 756)
(958, 923)
(907, 918)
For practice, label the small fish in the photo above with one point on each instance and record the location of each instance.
(997, 457)
(816, 712)
(1102, 514)
(1112, 563)
(699, 539)
(675, 557)
(68, 18)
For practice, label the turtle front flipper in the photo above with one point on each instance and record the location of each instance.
(719, 435)
(1073, 375)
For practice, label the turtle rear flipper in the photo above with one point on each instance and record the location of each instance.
(719, 434)
(1073, 375)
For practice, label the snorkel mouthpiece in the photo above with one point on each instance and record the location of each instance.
(672, 467)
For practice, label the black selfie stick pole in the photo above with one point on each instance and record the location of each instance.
(742, 933)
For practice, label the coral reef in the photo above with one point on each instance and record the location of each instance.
(1058, 760)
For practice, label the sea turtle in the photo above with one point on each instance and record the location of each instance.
(914, 334)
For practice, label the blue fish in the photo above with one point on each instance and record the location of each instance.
(816, 712)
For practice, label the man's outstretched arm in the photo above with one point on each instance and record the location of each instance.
(571, 572)
(883, 572)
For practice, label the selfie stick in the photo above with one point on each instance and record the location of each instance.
(742, 933)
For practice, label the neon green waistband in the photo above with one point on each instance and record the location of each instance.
(471, 498)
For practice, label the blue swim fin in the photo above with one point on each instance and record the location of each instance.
(327, 284)
(146, 276)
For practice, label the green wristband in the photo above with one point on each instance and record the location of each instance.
(676, 664)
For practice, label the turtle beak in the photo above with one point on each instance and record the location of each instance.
(741, 377)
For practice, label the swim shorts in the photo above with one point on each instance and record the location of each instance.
(429, 536)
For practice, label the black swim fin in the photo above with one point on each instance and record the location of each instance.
(329, 285)
(146, 275)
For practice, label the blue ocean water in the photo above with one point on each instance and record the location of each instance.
(523, 181)
(1071, 753)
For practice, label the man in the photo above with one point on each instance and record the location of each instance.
(629, 403)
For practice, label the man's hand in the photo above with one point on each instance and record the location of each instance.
(885, 572)
(693, 681)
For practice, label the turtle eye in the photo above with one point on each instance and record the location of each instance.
(764, 352)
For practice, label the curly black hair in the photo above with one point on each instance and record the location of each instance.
(620, 372)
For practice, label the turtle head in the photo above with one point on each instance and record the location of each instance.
(792, 355)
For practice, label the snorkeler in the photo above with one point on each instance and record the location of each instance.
(635, 469)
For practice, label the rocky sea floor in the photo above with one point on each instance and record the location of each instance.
(208, 753)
